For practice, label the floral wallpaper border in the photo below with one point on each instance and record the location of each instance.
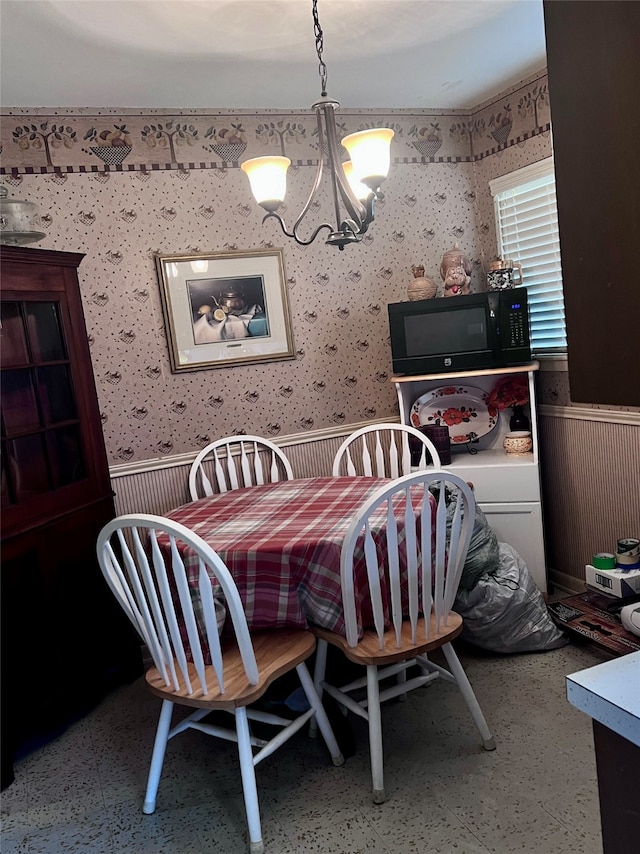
(43, 142)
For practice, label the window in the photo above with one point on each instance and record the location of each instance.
(527, 231)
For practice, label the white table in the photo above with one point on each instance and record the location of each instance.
(610, 694)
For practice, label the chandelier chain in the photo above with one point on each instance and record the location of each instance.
(322, 68)
(353, 192)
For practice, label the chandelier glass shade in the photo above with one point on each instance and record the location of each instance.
(355, 185)
(370, 155)
(268, 179)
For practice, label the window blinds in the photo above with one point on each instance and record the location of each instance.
(527, 231)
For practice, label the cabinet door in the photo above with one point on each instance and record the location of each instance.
(53, 457)
(520, 525)
(57, 613)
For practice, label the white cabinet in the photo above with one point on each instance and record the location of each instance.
(506, 486)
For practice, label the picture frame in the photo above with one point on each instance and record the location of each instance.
(225, 308)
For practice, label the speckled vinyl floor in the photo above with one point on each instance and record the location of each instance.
(536, 794)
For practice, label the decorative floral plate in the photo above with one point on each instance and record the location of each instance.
(463, 409)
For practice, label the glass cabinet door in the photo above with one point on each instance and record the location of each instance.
(42, 448)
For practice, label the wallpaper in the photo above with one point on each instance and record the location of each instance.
(121, 186)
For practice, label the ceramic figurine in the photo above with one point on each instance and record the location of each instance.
(420, 287)
(455, 270)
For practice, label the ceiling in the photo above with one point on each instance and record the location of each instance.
(245, 54)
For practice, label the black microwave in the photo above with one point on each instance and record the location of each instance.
(486, 330)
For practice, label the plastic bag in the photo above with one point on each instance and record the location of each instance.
(505, 611)
(482, 555)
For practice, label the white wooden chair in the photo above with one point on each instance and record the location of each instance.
(158, 601)
(234, 462)
(429, 587)
(389, 445)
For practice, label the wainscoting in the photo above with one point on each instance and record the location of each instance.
(590, 481)
(590, 486)
(157, 486)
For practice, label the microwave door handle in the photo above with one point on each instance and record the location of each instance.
(496, 349)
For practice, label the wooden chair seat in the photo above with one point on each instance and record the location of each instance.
(368, 649)
(277, 652)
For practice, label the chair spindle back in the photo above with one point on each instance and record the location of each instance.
(383, 450)
(429, 522)
(156, 594)
(235, 462)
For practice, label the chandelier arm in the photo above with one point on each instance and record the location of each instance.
(313, 192)
(275, 215)
(363, 226)
(355, 208)
(363, 214)
(327, 110)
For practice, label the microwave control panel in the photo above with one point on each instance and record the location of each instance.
(517, 322)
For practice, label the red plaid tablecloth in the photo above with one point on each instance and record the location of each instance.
(282, 542)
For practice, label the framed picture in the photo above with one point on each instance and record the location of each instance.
(225, 308)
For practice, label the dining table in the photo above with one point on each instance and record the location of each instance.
(282, 543)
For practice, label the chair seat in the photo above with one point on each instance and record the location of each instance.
(276, 652)
(368, 649)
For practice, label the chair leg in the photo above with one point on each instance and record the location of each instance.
(488, 742)
(375, 734)
(157, 757)
(318, 678)
(249, 788)
(320, 714)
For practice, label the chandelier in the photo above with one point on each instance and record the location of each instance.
(355, 184)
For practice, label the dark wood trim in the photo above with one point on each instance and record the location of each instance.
(593, 63)
(618, 761)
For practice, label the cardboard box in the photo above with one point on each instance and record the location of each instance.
(594, 617)
(615, 582)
